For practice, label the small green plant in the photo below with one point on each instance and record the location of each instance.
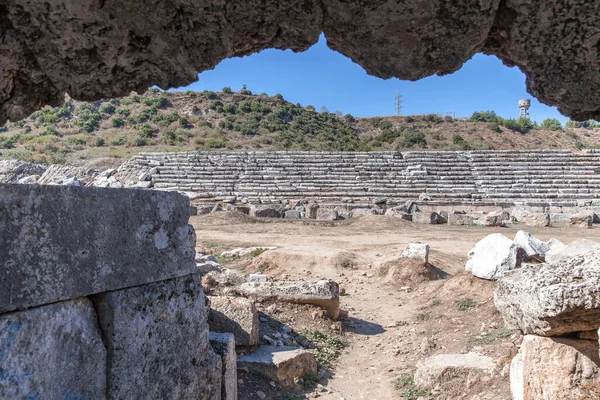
(466, 304)
(490, 337)
(99, 142)
(579, 145)
(328, 347)
(436, 302)
(256, 252)
(226, 90)
(311, 380)
(406, 384)
(423, 316)
(494, 127)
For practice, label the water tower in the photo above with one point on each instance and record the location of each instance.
(524, 105)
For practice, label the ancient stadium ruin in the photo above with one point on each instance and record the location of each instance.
(103, 280)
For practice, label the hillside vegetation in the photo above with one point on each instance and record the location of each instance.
(183, 121)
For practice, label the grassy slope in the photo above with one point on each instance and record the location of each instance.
(182, 121)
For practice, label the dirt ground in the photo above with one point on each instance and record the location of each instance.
(395, 318)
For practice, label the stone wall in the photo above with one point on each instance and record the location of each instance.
(556, 178)
(100, 298)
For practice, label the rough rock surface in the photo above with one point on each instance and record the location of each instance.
(553, 368)
(443, 369)
(97, 50)
(531, 245)
(493, 256)
(54, 351)
(581, 220)
(236, 315)
(578, 247)
(417, 251)
(79, 236)
(224, 345)
(425, 218)
(461, 219)
(280, 363)
(141, 323)
(552, 299)
(536, 219)
(11, 171)
(267, 211)
(323, 293)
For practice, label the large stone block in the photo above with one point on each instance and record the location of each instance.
(157, 341)
(283, 364)
(224, 345)
(552, 299)
(493, 256)
(52, 352)
(58, 242)
(553, 368)
(452, 369)
(236, 315)
(323, 293)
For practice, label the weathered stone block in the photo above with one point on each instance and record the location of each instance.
(236, 315)
(425, 217)
(292, 214)
(52, 352)
(326, 214)
(461, 219)
(581, 220)
(536, 219)
(224, 345)
(323, 293)
(273, 211)
(157, 341)
(450, 369)
(552, 299)
(417, 251)
(553, 368)
(58, 242)
(280, 363)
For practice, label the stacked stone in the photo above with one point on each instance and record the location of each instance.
(100, 297)
(476, 177)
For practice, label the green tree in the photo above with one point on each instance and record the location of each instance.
(551, 124)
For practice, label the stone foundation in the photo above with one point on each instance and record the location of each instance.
(110, 302)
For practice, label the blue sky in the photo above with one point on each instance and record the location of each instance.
(322, 77)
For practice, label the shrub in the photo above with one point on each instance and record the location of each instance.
(226, 90)
(99, 142)
(433, 118)
(146, 131)
(139, 141)
(385, 125)
(190, 93)
(448, 118)
(349, 118)
(461, 142)
(26, 129)
(215, 104)
(409, 119)
(230, 108)
(107, 108)
(118, 141)
(494, 127)
(210, 95)
(579, 145)
(279, 96)
(551, 124)
(414, 138)
(49, 131)
(183, 122)
(484, 116)
(170, 136)
(245, 91)
(310, 107)
(8, 141)
(77, 140)
(225, 124)
(117, 122)
(375, 121)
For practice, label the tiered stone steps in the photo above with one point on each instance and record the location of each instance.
(463, 177)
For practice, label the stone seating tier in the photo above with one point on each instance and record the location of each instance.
(485, 176)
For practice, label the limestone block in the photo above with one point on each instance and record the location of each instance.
(52, 352)
(311, 210)
(553, 368)
(280, 363)
(157, 340)
(266, 211)
(85, 239)
(444, 369)
(461, 219)
(425, 217)
(494, 218)
(493, 256)
(292, 214)
(224, 345)
(536, 219)
(323, 293)
(580, 220)
(326, 214)
(552, 299)
(531, 245)
(578, 247)
(236, 315)
(417, 251)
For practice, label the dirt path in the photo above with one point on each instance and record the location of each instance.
(392, 325)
